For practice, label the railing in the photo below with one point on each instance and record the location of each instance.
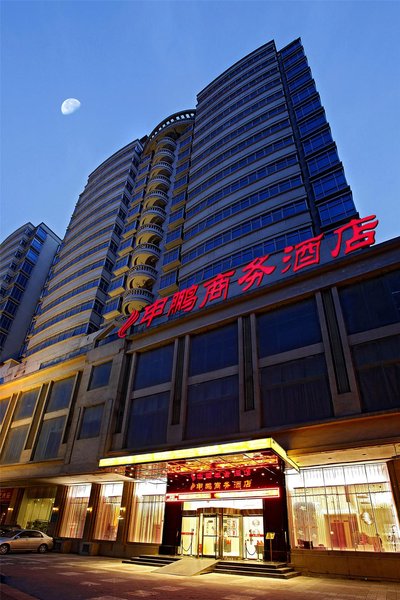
(139, 269)
(186, 115)
(159, 179)
(138, 293)
(161, 164)
(150, 227)
(164, 152)
(154, 210)
(146, 248)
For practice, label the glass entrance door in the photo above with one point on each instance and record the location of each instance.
(222, 531)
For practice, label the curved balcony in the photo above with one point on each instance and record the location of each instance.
(166, 142)
(155, 198)
(143, 251)
(136, 299)
(139, 275)
(153, 212)
(161, 167)
(159, 180)
(146, 232)
(163, 154)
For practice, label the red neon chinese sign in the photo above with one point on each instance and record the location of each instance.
(354, 235)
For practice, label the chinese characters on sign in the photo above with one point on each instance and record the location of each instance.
(354, 235)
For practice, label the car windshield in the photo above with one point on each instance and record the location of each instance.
(9, 534)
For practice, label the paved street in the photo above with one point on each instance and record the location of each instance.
(72, 577)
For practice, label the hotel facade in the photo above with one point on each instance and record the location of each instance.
(243, 384)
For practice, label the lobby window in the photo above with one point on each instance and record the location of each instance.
(147, 512)
(148, 421)
(287, 328)
(100, 375)
(154, 367)
(372, 303)
(36, 507)
(26, 404)
(75, 511)
(343, 507)
(214, 350)
(108, 512)
(377, 365)
(296, 392)
(91, 421)
(213, 408)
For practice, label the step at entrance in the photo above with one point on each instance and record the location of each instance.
(262, 569)
(151, 560)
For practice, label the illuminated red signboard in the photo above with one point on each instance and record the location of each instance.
(257, 482)
(354, 235)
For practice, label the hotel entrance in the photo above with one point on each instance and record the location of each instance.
(221, 501)
(223, 529)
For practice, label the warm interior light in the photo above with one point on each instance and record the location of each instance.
(202, 451)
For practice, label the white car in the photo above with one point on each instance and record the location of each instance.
(24, 540)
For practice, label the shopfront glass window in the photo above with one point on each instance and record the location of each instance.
(108, 512)
(147, 512)
(345, 507)
(75, 511)
(36, 508)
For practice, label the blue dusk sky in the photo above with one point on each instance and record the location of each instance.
(133, 63)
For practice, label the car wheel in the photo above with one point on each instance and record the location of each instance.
(4, 549)
(42, 548)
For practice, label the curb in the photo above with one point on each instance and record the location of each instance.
(10, 593)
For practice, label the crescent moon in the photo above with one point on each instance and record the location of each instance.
(69, 106)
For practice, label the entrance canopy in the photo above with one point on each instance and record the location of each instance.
(217, 457)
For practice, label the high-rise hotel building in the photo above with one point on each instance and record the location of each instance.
(252, 170)
(75, 293)
(215, 357)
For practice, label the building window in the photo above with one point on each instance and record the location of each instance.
(213, 408)
(154, 367)
(377, 365)
(108, 512)
(147, 512)
(373, 303)
(296, 392)
(148, 421)
(100, 375)
(36, 507)
(91, 421)
(50, 438)
(287, 328)
(214, 350)
(75, 511)
(345, 507)
(3, 408)
(26, 404)
(14, 445)
(60, 395)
